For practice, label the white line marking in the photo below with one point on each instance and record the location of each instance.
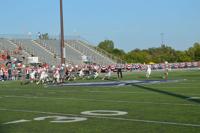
(186, 83)
(96, 100)
(127, 92)
(113, 92)
(61, 119)
(193, 98)
(176, 87)
(120, 92)
(104, 113)
(103, 117)
(82, 91)
(18, 121)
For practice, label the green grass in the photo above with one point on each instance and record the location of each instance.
(162, 102)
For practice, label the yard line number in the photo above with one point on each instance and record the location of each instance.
(66, 119)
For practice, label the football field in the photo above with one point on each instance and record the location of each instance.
(167, 107)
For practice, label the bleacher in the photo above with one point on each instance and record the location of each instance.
(36, 50)
(73, 56)
(75, 49)
(49, 50)
(7, 45)
(93, 54)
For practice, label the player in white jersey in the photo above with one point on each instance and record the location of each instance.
(56, 76)
(43, 76)
(108, 74)
(148, 71)
(32, 76)
(166, 70)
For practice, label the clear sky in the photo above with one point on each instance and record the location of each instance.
(129, 23)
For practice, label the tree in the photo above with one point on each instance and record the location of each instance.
(194, 52)
(157, 55)
(163, 53)
(197, 51)
(107, 45)
(44, 36)
(138, 56)
(183, 57)
(119, 53)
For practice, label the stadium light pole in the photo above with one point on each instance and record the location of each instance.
(62, 46)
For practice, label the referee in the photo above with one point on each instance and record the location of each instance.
(119, 71)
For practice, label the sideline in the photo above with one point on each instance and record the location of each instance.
(112, 83)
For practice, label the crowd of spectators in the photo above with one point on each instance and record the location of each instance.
(14, 69)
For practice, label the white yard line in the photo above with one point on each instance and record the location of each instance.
(104, 117)
(96, 100)
(83, 91)
(18, 121)
(119, 92)
(185, 83)
(176, 87)
(112, 92)
(193, 98)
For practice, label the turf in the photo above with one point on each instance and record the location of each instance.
(162, 107)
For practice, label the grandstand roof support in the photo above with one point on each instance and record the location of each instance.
(62, 34)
